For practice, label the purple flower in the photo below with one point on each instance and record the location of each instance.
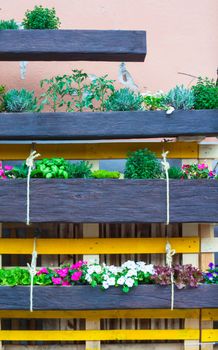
(211, 265)
(76, 276)
(56, 280)
(63, 272)
(8, 167)
(42, 270)
(65, 283)
(78, 265)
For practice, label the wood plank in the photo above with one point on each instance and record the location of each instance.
(91, 200)
(103, 314)
(126, 346)
(73, 45)
(209, 314)
(100, 150)
(88, 298)
(209, 245)
(107, 125)
(99, 245)
(116, 335)
(210, 335)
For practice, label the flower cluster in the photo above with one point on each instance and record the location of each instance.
(4, 169)
(126, 276)
(197, 171)
(183, 275)
(211, 276)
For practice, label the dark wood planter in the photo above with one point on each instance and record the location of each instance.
(107, 125)
(91, 200)
(88, 298)
(73, 45)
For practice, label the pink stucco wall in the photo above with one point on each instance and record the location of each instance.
(182, 37)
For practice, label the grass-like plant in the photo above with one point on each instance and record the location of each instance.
(8, 24)
(180, 98)
(41, 18)
(124, 100)
(105, 174)
(19, 101)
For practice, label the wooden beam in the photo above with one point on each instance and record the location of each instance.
(107, 125)
(113, 335)
(84, 297)
(100, 150)
(210, 335)
(90, 246)
(120, 346)
(106, 200)
(73, 45)
(102, 314)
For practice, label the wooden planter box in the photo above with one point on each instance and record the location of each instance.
(72, 45)
(107, 125)
(107, 200)
(88, 298)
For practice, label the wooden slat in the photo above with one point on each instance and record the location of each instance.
(107, 314)
(209, 314)
(72, 45)
(98, 245)
(106, 200)
(102, 150)
(115, 335)
(126, 346)
(209, 245)
(88, 298)
(210, 335)
(107, 125)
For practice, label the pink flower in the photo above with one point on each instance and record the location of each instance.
(202, 166)
(56, 280)
(185, 166)
(42, 270)
(76, 276)
(211, 174)
(2, 173)
(65, 283)
(8, 167)
(78, 265)
(63, 272)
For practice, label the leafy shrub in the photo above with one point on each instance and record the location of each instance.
(105, 174)
(154, 102)
(99, 90)
(206, 94)
(51, 168)
(10, 24)
(124, 100)
(14, 277)
(180, 98)
(80, 170)
(184, 275)
(19, 101)
(41, 18)
(142, 164)
(175, 172)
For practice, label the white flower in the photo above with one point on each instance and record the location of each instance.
(129, 264)
(111, 281)
(113, 269)
(121, 280)
(90, 270)
(105, 285)
(97, 268)
(149, 269)
(88, 278)
(131, 273)
(129, 282)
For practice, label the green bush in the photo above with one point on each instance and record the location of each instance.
(142, 164)
(124, 100)
(41, 18)
(105, 174)
(10, 24)
(19, 101)
(80, 170)
(206, 94)
(154, 102)
(175, 172)
(180, 98)
(2, 93)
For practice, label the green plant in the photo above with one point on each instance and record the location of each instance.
(180, 98)
(10, 24)
(206, 94)
(14, 277)
(105, 174)
(175, 172)
(41, 18)
(197, 171)
(2, 93)
(99, 90)
(80, 170)
(142, 164)
(154, 102)
(51, 168)
(124, 100)
(19, 100)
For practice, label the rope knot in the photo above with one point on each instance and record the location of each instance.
(30, 160)
(30, 165)
(169, 259)
(32, 272)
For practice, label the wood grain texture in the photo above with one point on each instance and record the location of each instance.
(91, 200)
(88, 298)
(107, 125)
(72, 45)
